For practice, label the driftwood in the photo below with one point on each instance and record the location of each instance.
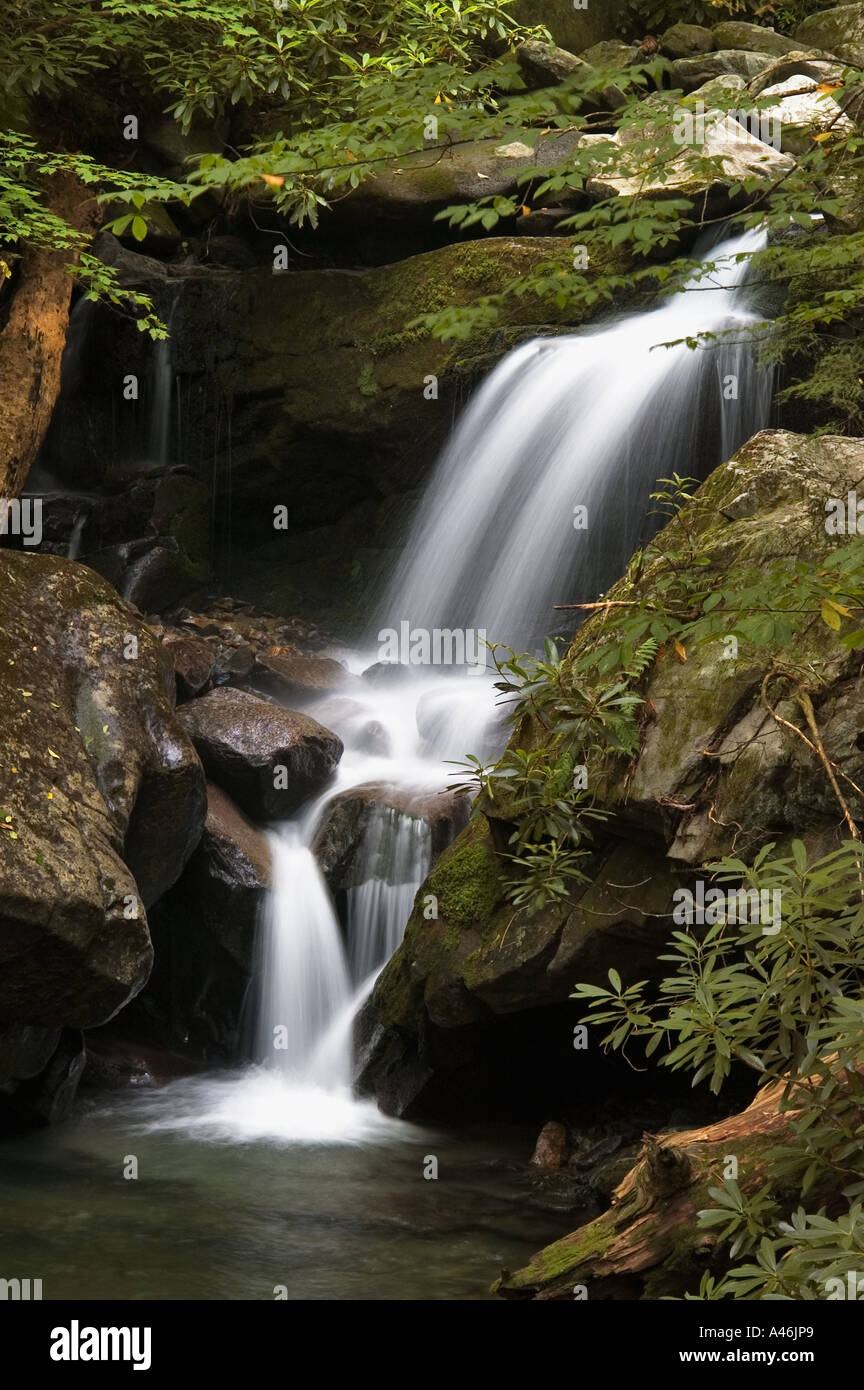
(648, 1244)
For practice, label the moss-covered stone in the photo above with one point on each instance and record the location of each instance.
(838, 31)
(101, 794)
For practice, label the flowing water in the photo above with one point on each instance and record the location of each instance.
(276, 1174)
(588, 420)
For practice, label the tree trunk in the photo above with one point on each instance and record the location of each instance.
(31, 344)
(648, 1244)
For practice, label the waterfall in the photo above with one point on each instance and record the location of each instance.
(74, 547)
(302, 970)
(396, 853)
(163, 390)
(588, 420)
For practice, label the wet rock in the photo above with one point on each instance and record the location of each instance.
(299, 678)
(341, 833)
(204, 936)
(193, 665)
(24, 1051)
(157, 579)
(388, 673)
(228, 876)
(552, 1146)
(48, 1098)
(102, 793)
(250, 747)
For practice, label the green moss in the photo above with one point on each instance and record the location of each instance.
(366, 383)
(467, 882)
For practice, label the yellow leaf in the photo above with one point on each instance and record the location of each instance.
(838, 608)
(53, 754)
(680, 651)
(274, 180)
(525, 210)
(823, 135)
(829, 616)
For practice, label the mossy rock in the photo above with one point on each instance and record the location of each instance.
(838, 31)
(102, 800)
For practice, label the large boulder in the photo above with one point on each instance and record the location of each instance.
(269, 759)
(838, 31)
(744, 158)
(690, 73)
(752, 38)
(204, 934)
(802, 112)
(424, 182)
(686, 41)
(797, 64)
(103, 796)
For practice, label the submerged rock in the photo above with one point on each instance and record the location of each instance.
(270, 760)
(552, 1146)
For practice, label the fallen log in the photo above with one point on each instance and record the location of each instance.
(648, 1244)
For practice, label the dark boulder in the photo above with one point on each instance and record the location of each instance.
(270, 760)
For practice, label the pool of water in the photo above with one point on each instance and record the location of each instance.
(244, 1186)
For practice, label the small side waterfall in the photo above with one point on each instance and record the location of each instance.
(588, 420)
(396, 851)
